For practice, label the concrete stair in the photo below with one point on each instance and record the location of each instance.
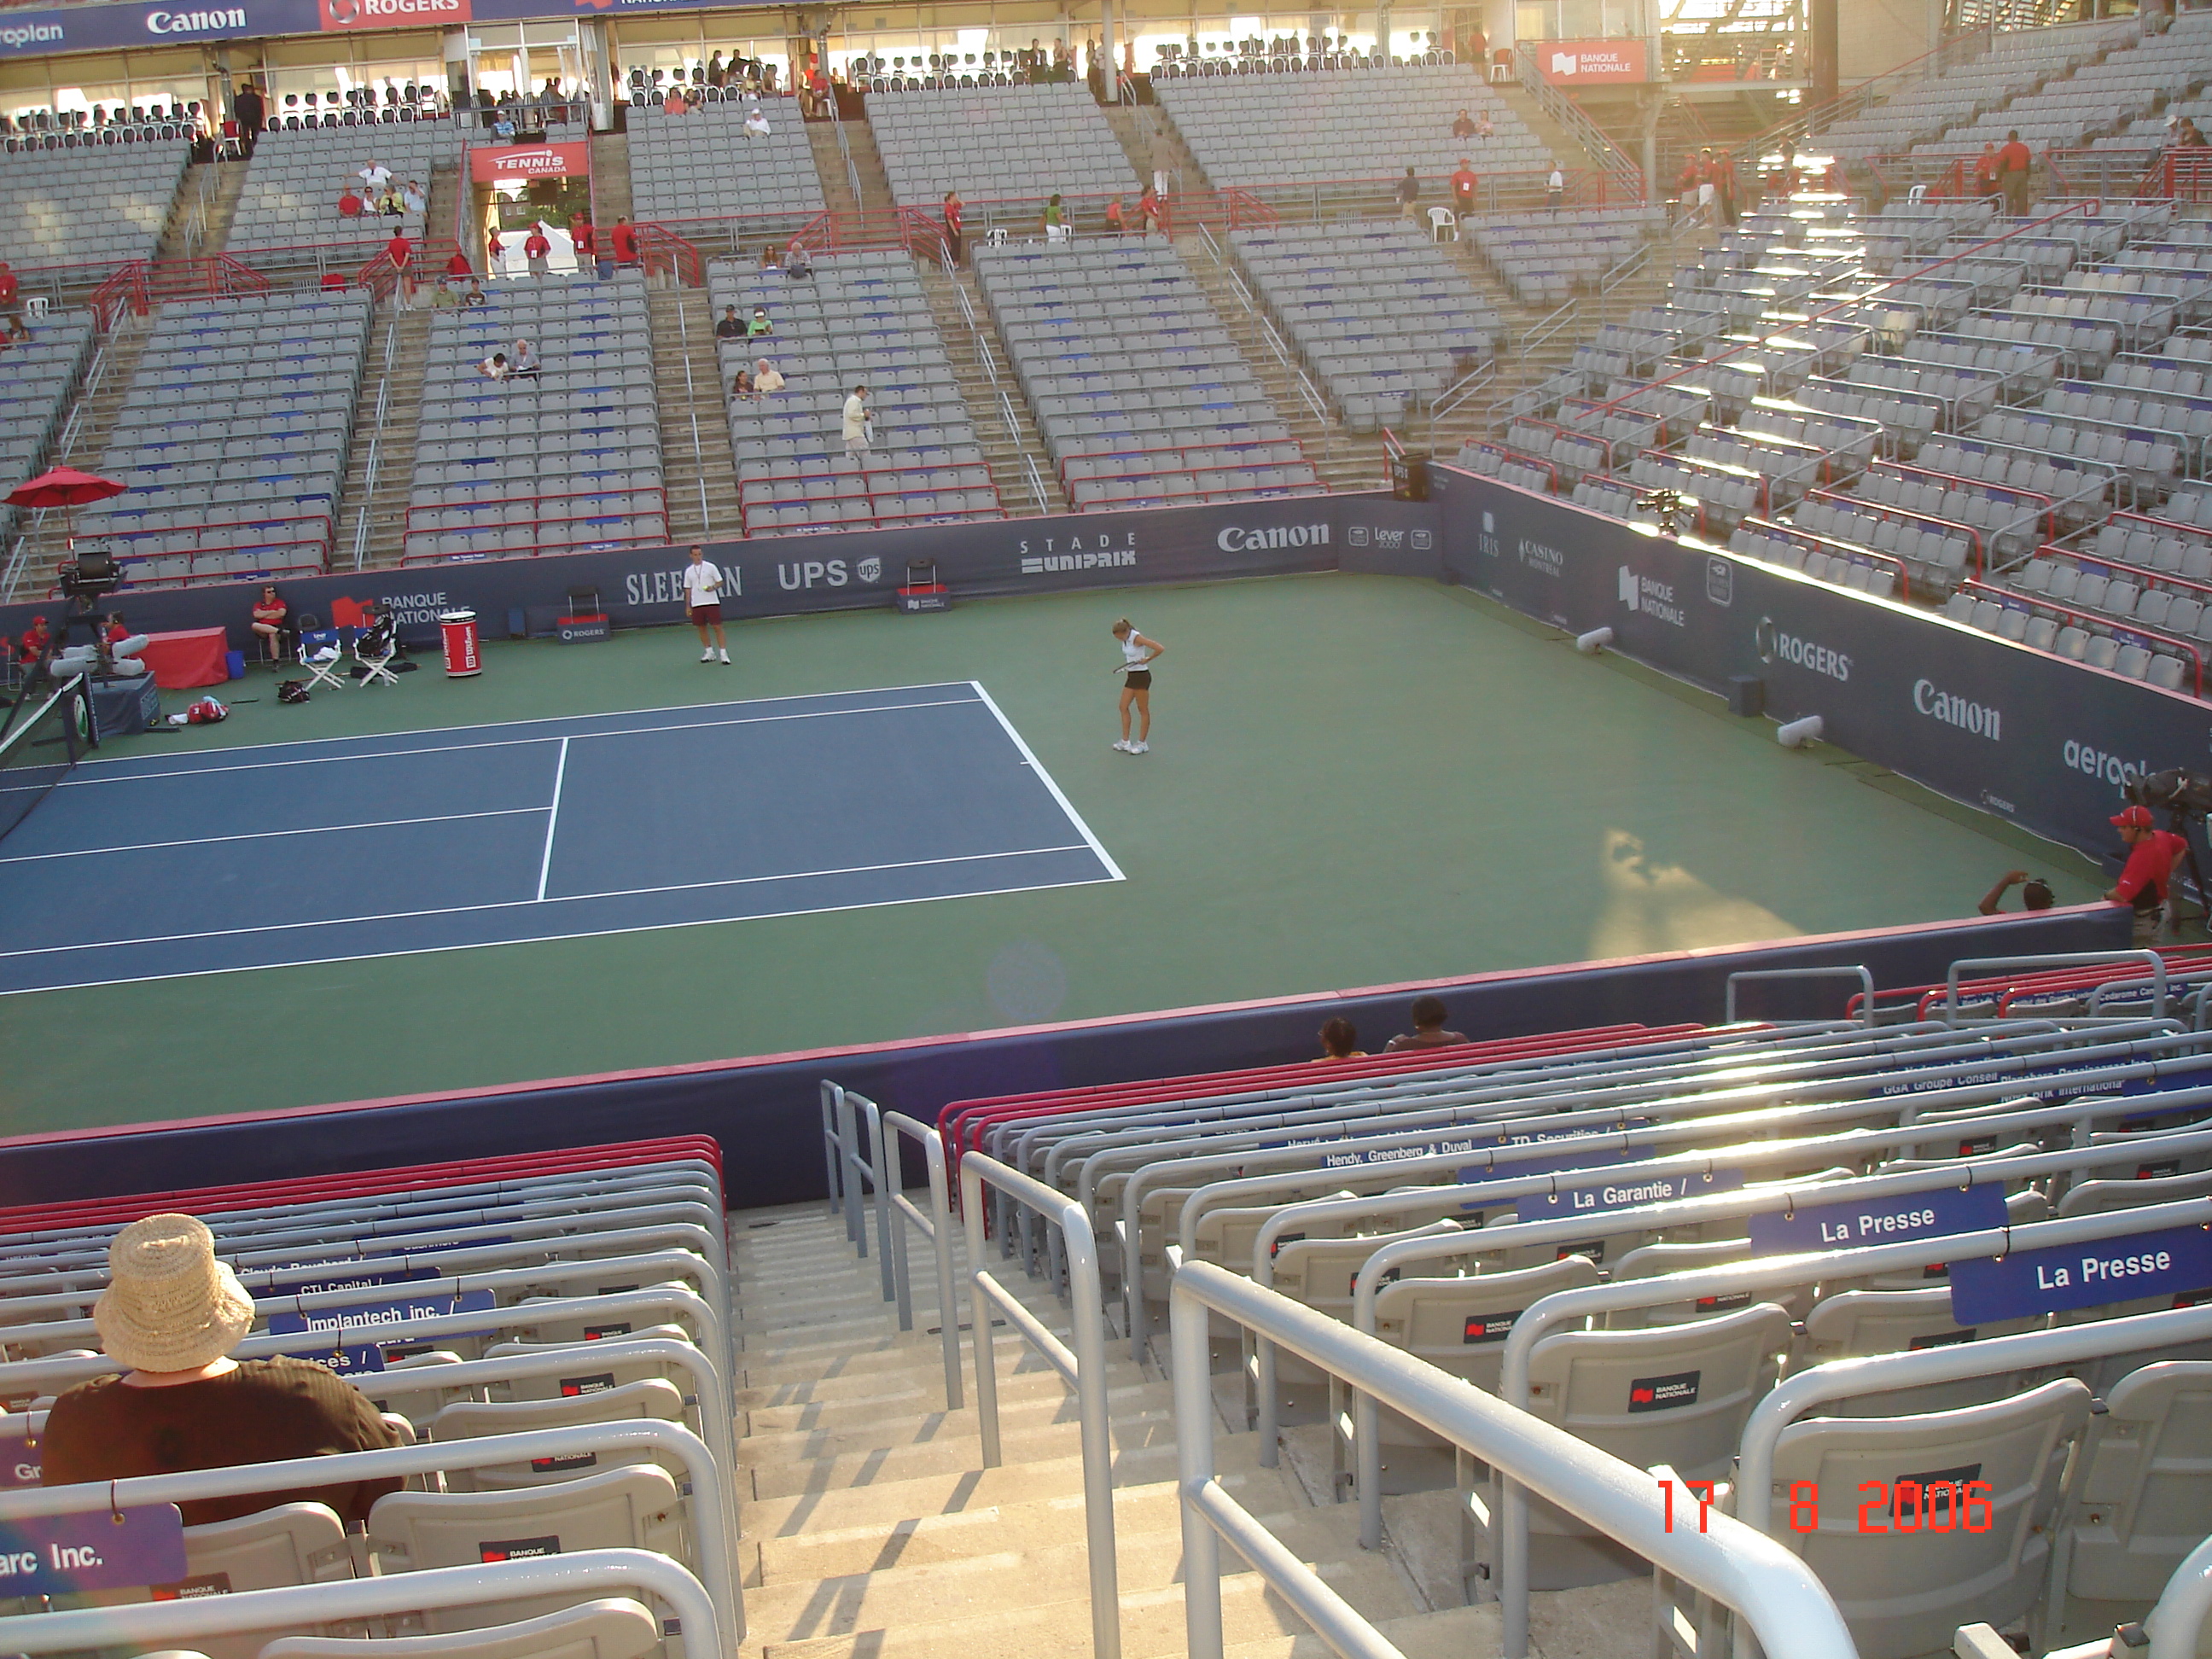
(698, 468)
(1003, 446)
(1343, 460)
(872, 1531)
(611, 193)
(108, 387)
(382, 502)
(445, 208)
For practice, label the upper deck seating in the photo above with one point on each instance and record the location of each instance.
(704, 165)
(105, 205)
(1014, 145)
(290, 197)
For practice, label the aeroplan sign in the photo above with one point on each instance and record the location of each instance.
(1570, 63)
(530, 161)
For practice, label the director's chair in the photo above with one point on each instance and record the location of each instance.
(322, 653)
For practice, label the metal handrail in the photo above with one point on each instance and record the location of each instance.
(2079, 959)
(1776, 1592)
(369, 471)
(936, 1227)
(1747, 975)
(1081, 1363)
(580, 1576)
(1293, 371)
(868, 1168)
(708, 1500)
(2183, 1607)
(1612, 160)
(691, 410)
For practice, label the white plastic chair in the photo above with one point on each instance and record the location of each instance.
(1443, 224)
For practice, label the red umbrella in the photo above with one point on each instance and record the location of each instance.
(63, 486)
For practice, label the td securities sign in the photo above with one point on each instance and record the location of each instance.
(1581, 62)
(530, 161)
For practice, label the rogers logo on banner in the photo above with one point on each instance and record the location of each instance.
(342, 14)
(1594, 60)
(525, 161)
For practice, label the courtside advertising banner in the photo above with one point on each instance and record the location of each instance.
(2037, 739)
(783, 576)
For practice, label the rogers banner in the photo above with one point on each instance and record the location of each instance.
(1578, 63)
(530, 161)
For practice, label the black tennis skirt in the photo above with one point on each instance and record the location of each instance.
(1138, 679)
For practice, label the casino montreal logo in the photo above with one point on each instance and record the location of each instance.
(1775, 645)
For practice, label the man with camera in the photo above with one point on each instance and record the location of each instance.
(2148, 873)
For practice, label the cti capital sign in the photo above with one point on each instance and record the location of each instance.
(1581, 63)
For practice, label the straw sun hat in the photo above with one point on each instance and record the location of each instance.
(169, 1304)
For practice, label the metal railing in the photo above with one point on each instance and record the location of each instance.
(1948, 1010)
(936, 1227)
(1751, 976)
(841, 1136)
(581, 1576)
(708, 1501)
(374, 464)
(1611, 160)
(1301, 387)
(1776, 1594)
(1081, 1362)
(691, 410)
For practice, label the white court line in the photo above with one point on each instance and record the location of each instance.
(566, 898)
(77, 780)
(552, 818)
(269, 835)
(1046, 778)
(555, 938)
(533, 719)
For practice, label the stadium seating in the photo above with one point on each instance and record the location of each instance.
(1543, 258)
(569, 460)
(1380, 315)
(1396, 1192)
(1005, 150)
(2127, 84)
(1141, 396)
(1365, 124)
(248, 486)
(704, 165)
(862, 319)
(101, 205)
(2016, 64)
(37, 377)
(531, 1236)
(290, 197)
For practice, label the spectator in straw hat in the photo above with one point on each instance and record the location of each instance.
(172, 1314)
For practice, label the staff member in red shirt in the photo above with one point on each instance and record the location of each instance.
(953, 206)
(2149, 870)
(538, 248)
(1463, 185)
(625, 240)
(580, 237)
(2012, 163)
(401, 252)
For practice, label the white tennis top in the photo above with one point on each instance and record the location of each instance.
(702, 583)
(1133, 654)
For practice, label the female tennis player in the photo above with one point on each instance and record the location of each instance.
(1137, 656)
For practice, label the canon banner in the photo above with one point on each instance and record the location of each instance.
(44, 31)
(1580, 62)
(780, 575)
(2034, 737)
(529, 161)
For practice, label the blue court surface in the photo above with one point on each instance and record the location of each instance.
(206, 861)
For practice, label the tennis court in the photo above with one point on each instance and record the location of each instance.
(279, 854)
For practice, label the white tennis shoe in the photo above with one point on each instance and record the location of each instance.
(1124, 747)
(1140, 749)
(705, 656)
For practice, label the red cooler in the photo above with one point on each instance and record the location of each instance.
(462, 656)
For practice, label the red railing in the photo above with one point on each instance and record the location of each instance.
(123, 292)
(1884, 510)
(662, 252)
(213, 276)
(1973, 486)
(2013, 598)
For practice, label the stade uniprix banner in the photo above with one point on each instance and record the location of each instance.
(782, 575)
(32, 32)
(2034, 738)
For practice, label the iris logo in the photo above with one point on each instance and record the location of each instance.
(1628, 587)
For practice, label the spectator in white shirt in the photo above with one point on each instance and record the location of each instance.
(376, 176)
(494, 367)
(524, 365)
(756, 123)
(413, 198)
(857, 436)
(703, 598)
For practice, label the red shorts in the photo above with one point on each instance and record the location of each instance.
(703, 615)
